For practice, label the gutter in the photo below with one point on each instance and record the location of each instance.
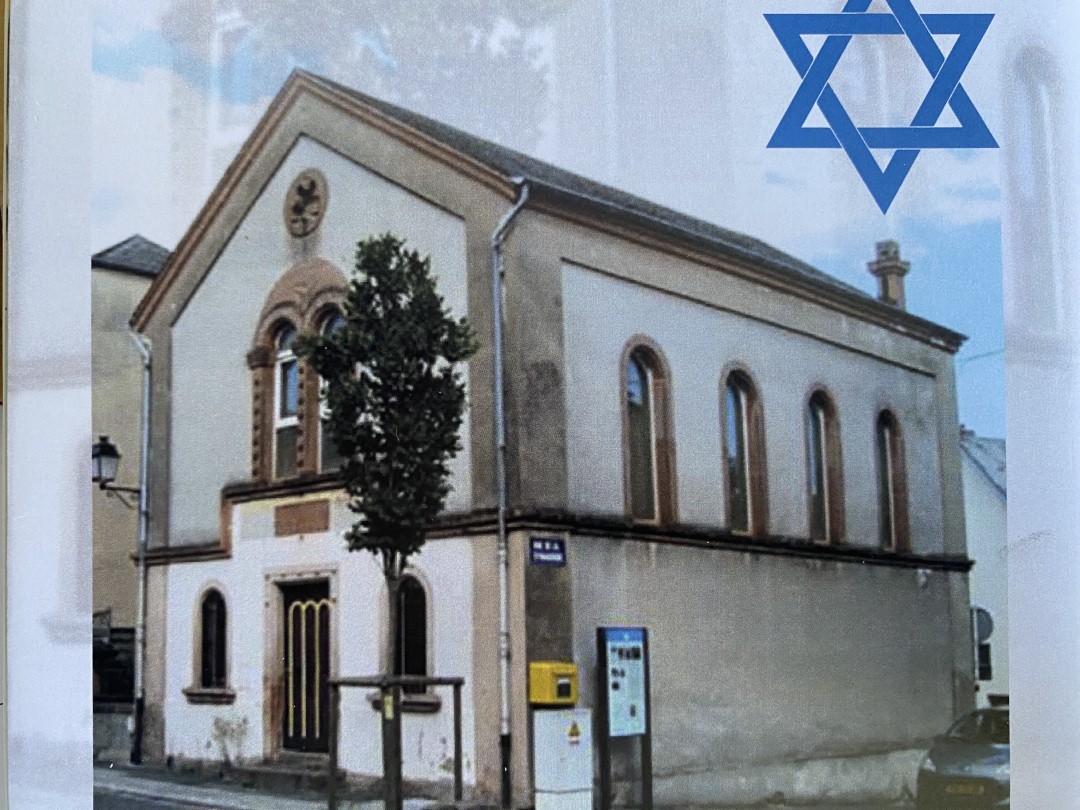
(144, 525)
(498, 276)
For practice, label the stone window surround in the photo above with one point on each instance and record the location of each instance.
(198, 693)
(898, 470)
(303, 297)
(833, 467)
(664, 429)
(755, 449)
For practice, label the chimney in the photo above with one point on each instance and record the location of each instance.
(889, 271)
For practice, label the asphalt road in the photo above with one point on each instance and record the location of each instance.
(104, 800)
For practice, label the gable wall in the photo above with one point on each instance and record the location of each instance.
(211, 382)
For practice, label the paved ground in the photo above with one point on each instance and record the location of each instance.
(132, 789)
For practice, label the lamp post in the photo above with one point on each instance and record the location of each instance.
(105, 460)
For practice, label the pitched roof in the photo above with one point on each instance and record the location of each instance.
(568, 191)
(986, 454)
(614, 202)
(136, 254)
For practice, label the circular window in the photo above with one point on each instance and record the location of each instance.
(305, 203)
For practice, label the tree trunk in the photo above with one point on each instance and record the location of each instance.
(391, 696)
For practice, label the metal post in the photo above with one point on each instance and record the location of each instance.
(646, 739)
(391, 733)
(335, 724)
(458, 791)
(144, 530)
(603, 740)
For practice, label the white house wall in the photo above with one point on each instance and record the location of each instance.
(358, 617)
(211, 382)
(985, 514)
(601, 314)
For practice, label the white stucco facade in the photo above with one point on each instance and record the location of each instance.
(260, 564)
(213, 333)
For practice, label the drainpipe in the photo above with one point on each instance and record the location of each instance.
(144, 526)
(497, 278)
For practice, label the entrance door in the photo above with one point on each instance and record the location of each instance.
(307, 666)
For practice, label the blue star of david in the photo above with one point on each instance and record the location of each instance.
(854, 19)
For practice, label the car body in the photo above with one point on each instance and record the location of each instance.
(968, 766)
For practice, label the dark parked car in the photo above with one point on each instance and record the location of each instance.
(968, 766)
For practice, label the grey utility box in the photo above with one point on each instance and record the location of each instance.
(563, 759)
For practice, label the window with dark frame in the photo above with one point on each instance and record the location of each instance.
(824, 478)
(410, 655)
(212, 636)
(892, 487)
(286, 402)
(642, 429)
(329, 456)
(738, 399)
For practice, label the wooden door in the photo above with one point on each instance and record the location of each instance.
(306, 667)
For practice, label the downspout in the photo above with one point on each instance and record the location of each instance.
(144, 527)
(497, 278)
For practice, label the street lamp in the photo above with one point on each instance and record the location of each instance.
(105, 460)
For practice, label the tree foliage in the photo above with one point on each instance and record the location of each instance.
(395, 396)
(433, 56)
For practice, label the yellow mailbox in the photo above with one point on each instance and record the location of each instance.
(553, 683)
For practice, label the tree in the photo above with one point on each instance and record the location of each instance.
(396, 401)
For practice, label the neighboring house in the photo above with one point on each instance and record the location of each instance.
(120, 276)
(985, 510)
(750, 458)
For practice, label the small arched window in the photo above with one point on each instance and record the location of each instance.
(744, 456)
(892, 485)
(411, 642)
(648, 448)
(286, 402)
(329, 456)
(212, 641)
(824, 474)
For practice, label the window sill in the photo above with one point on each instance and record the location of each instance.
(216, 697)
(425, 703)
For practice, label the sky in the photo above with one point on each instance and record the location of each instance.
(676, 108)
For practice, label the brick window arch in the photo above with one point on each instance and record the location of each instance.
(286, 418)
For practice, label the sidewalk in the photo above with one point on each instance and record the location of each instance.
(188, 790)
(184, 790)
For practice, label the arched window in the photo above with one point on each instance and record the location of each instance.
(892, 488)
(744, 456)
(648, 447)
(212, 641)
(286, 402)
(824, 474)
(329, 457)
(410, 648)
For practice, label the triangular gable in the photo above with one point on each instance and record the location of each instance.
(266, 148)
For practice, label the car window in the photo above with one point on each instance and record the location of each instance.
(981, 727)
(995, 727)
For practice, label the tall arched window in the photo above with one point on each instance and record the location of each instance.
(410, 647)
(824, 474)
(648, 447)
(744, 456)
(286, 402)
(892, 486)
(329, 457)
(212, 641)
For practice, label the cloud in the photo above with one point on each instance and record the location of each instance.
(153, 154)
